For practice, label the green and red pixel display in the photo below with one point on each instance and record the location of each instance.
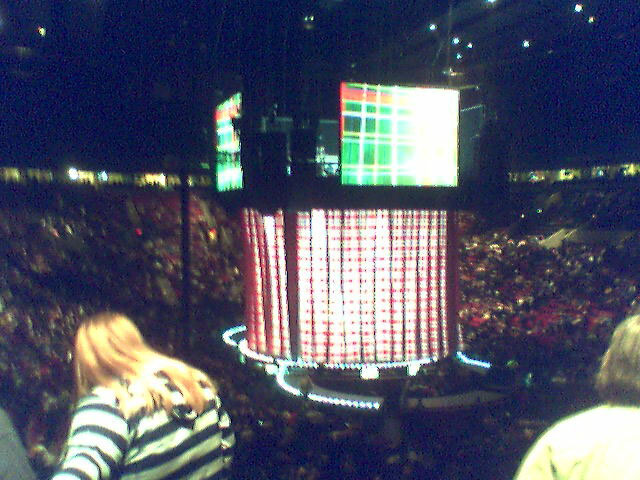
(399, 136)
(228, 166)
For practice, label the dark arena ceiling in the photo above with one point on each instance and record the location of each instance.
(113, 79)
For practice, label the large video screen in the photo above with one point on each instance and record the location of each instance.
(228, 166)
(398, 136)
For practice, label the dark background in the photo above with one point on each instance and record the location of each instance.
(132, 84)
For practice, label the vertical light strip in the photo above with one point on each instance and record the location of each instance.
(358, 267)
(410, 279)
(319, 282)
(336, 349)
(382, 278)
(367, 226)
(397, 284)
(423, 284)
(254, 275)
(442, 257)
(285, 348)
(261, 324)
(434, 324)
(304, 285)
(258, 318)
(351, 286)
(269, 223)
(250, 276)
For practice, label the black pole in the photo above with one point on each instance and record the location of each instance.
(187, 327)
(449, 29)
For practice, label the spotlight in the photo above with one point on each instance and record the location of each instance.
(455, 40)
(526, 44)
(308, 22)
(459, 56)
(433, 27)
(470, 45)
(73, 173)
(592, 19)
(42, 31)
(578, 8)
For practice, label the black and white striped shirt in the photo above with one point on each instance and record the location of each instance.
(180, 445)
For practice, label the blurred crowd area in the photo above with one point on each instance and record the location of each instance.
(542, 315)
(69, 251)
(612, 205)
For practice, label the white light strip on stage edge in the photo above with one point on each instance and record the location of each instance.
(242, 345)
(283, 366)
(331, 400)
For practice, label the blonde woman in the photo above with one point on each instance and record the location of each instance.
(602, 442)
(141, 414)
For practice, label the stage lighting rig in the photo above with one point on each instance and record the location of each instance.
(355, 274)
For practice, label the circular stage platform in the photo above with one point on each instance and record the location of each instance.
(368, 386)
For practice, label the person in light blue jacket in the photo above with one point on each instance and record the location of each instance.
(603, 442)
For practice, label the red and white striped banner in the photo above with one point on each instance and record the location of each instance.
(368, 285)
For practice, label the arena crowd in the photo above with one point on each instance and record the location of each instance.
(541, 314)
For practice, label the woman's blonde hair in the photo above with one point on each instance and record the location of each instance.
(111, 352)
(618, 380)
